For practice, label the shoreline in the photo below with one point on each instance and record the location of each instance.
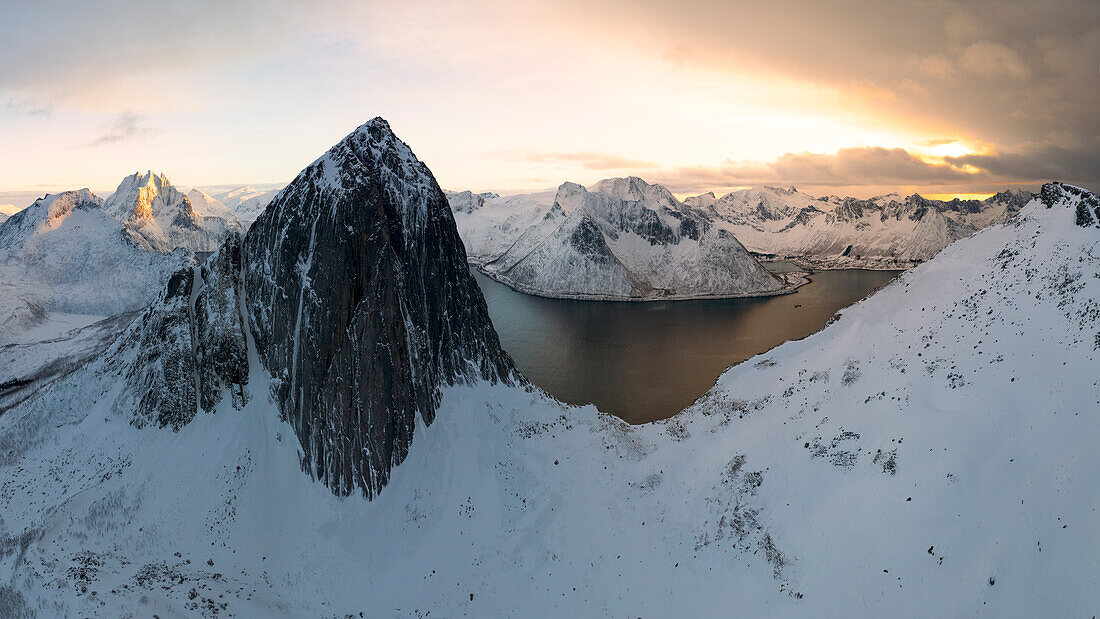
(832, 264)
(794, 280)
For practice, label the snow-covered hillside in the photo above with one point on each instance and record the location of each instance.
(929, 453)
(489, 224)
(150, 206)
(623, 239)
(64, 255)
(246, 201)
(881, 232)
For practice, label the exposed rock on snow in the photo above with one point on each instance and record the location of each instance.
(154, 209)
(1085, 204)
(622, 240)
(188, 349)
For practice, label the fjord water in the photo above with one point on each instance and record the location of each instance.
(647, 361)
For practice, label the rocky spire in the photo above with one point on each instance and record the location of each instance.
(363, 306)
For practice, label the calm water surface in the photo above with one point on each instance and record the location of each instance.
(647, 361)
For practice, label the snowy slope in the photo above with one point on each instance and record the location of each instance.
(624, 239)
(246, 201)
(206, 206)
(153, 208)
(64, 254)
(929, 453)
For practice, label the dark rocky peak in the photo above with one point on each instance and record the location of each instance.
(355, 290)
(362, 306)
(1014, 200)
(1085, 204)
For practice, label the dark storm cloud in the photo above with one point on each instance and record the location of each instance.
(895, 167)
(1079, 165)
(1022, 76)
(847, 167)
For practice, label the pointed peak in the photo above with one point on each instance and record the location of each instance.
(377, 128)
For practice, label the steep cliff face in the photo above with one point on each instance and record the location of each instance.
(188, 348)
(362, 306)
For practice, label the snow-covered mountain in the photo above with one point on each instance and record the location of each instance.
(205, 205)
(247, 201)
(881, 232)
(489, 223)
(622, 239)
(538, 243)
(64, 254)
(930, 452)
(149, 205)
(361, 301)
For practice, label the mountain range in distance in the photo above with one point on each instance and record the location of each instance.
(78, 257)
(626, 239)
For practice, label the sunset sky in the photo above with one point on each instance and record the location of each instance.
(860, 97)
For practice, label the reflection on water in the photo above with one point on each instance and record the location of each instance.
(647, 361)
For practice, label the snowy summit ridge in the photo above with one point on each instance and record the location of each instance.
(153, 208)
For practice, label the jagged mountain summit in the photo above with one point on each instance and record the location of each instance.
(881, 232)
(623, 239)
(150, 206)
(888, 231)
(64, 254)
(363, 306)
